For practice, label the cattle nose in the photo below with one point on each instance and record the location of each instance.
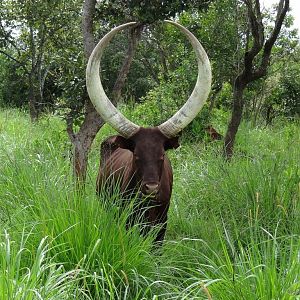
(150, 188)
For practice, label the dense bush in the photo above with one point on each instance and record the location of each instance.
(286, 94)
(13, 86)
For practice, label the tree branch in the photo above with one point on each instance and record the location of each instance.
(17, 61)
(70, 130)
(87, 26)
(282, 9)
(147, 64)
(134, 36)
(257, 31)
(7, 37)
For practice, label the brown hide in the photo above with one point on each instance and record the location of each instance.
(213, 134)
(140, 164)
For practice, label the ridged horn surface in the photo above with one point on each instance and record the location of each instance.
(102, 104)
(118, 121)
(199, 95)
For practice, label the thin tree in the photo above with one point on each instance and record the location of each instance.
(83, 139)
(256, 62)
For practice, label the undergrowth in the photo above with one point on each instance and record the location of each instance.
(233, 230)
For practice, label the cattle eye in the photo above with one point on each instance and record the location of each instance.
(136, 157)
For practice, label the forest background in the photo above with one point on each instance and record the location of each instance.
(234, 219)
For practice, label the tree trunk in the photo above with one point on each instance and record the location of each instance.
(236, 117)
(134, 36)
(252, 72)
(33, 98)
(82, 141)
(215, 91)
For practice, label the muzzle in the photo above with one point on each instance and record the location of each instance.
(150, 189)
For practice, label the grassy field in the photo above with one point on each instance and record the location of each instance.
(233, 230)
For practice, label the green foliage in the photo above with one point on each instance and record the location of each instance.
(164, 65)
(42, 198)
(33, 36)
(251, 203)
(227, 220)
(220, 30)
(167, 98)
(157, 106)
(233, 227)
(196, 129)
(264, 269)
(285, 96)
(164, 100)
(145, 11)
(224, 97)
(13, 87)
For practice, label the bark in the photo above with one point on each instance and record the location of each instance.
(134, 36)
(154, 74)
(236, 117)
(251, 72)
(83, 139)
(34, 79)
(33, 98)
(36, 85)
(269, 115)
(87, 26)
(215, 91)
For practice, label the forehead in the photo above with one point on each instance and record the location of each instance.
(149, 138)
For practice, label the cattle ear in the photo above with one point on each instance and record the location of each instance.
(124, 143)
(172, 143)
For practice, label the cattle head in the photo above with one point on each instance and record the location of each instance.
(148, 144)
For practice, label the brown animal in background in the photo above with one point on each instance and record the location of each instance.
(136, 158)
(213, 133)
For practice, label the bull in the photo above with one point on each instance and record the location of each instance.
(136, 158)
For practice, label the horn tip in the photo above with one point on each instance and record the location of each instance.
(169, 21)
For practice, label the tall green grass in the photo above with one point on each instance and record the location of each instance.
(40, 279)
(233, 230)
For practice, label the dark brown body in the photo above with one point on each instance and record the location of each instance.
(139, 164)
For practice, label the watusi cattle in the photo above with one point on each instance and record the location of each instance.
(136, 158)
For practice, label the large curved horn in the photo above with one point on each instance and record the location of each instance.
(117, 120)
(199, 95)
(104, 107)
